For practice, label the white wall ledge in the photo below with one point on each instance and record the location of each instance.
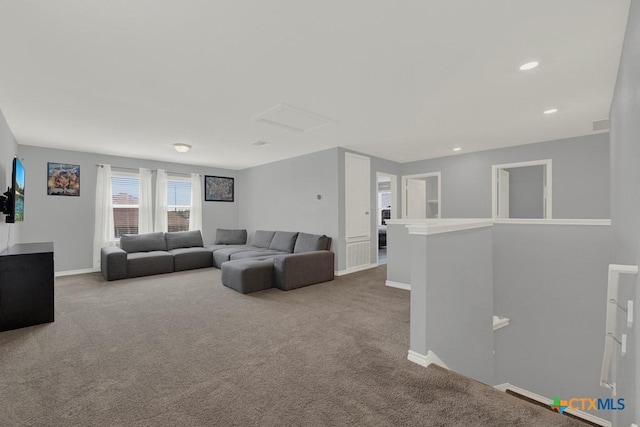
(436, 226)
(428, 229)
(531, 221)
(407, 221)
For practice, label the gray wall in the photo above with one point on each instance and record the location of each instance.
(550, 280)
(452, 300)
(580, 177)
(69, 221)
(625, 195)
(399, 259)
(8, 149)
(526, 192)
(580, 181)
(283, 195)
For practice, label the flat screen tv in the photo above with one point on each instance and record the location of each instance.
(14, 204)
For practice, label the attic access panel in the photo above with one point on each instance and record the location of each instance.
(293, 118)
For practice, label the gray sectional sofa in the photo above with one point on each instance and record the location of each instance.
(281, 259)
(155, 253)
(264, 243)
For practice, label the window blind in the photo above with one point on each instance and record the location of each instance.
(125, 192)
(178, 204)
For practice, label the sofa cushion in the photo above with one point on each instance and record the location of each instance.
(283, 241)
(147, 263)
(262, 239)
(216, 247)
(256, 254)
(184, 239)
(223, 255)
(230, 237)
(247, 276)
(113, 263)
(148, 242)
(311, 242)
(190, 258)
(297, 270)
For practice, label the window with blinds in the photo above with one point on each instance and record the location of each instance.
(178, 204)
(125, 192)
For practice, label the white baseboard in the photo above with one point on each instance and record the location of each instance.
(354, 269)
(547, 401)
(427, 360)
(74, 272)
(398, 285)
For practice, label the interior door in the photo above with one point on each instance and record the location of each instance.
(503, 193)
(357, 196)
(416, 198)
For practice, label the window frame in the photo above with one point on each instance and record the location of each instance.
(123, 174)
(175, 208)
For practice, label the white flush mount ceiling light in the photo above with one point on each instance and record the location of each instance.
(181, 147)
(293, 118)
(457, 149)
(550, 111)
(529, 66)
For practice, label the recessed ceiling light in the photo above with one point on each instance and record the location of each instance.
(181, 147)
(551, 111)
(529, 66)
(457, 149)
(260, 143)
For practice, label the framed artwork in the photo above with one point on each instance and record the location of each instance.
(218, 189)
(63, 179)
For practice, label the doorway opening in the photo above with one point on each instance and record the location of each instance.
(386, 189)
(522, 190)
(422, 196)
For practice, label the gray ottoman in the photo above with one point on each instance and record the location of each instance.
(248, 275)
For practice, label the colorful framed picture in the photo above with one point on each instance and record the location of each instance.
(63, 179)
(218, 189)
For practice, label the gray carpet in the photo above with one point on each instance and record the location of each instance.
(180, 349)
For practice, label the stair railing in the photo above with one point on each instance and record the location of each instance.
(613, 305)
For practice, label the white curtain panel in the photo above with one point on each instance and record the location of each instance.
(145, 203)
(104, 234)
(161, 223)
(195, 214)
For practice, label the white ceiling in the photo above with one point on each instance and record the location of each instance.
(403, 80)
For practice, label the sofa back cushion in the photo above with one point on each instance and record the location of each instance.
(148, 242)
(262, 239)
(283, 241)
(230, 237)
(311, 242)
(184, 239)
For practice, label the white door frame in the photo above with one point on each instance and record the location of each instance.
(394, 192)
(394, 204)
(547, 194)
(503, 193)
(417, 176)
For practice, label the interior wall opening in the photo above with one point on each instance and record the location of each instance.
(422, 196)
(386, 186)
(522, 190)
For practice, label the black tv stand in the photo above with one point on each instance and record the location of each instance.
(26, 285)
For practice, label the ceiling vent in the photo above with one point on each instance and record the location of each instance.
(293, 118)
(601, 125)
